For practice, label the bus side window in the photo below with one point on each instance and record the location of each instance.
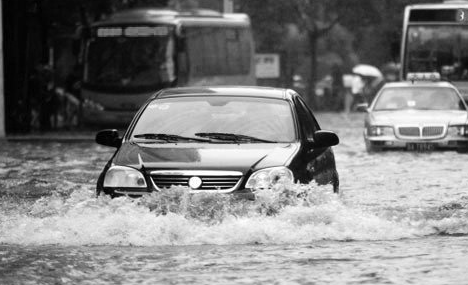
(182, 61)
(195, 47)
(213, 51)
(238, 51)
(182, 44)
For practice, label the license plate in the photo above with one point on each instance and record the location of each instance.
(420, 146)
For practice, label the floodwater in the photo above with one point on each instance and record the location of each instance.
(401, 218)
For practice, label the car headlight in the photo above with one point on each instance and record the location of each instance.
(461, 130)
(376, 131)
(122, 176)
(269, 177)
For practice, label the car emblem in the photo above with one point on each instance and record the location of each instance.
(195, 182)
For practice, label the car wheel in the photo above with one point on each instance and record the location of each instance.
(370, 148)
(336, 187)
(462, 150)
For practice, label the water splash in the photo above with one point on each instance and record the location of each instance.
(284, 215)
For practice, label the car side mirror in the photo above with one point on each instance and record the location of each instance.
(324, 139)
(362, 107)
(109, 138)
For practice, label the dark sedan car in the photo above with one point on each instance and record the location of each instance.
(219, 140)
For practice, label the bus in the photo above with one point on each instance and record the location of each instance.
(435, 42)
(135, 53)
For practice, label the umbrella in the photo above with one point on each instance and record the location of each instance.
(367, 70)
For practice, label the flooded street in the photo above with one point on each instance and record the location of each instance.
(401, 218)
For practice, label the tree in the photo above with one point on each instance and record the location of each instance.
(314, 18)
(318, 17)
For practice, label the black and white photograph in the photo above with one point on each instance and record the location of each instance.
(234, 142)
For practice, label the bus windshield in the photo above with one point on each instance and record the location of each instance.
(442, 49)
(130, 61)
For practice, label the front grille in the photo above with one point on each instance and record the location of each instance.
(409, 131)
(432, 131)
(421, 132)
(211, 180)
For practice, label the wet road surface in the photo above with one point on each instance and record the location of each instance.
(401, 218)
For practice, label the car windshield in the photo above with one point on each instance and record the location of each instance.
(130, 61)
(222, 119)
(426, 98)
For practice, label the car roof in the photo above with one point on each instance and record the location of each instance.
(241, 91)
(417, 84)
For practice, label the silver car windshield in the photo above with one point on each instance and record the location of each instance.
(194, 117)
(424, 98)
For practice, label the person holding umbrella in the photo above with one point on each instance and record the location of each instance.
(366, 83)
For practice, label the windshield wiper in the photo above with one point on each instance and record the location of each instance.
(232, 137)
(168, 137)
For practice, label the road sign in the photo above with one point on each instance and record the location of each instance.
(267, 65)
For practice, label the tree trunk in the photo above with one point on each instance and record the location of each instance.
(2, 97)
(311, 98)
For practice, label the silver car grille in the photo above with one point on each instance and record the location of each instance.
(432, 131)
(409, 131)
(221, 181)
(425, 132)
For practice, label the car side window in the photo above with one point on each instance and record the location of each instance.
(308, 123)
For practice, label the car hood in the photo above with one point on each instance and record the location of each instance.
(189, 156)
(418, 117)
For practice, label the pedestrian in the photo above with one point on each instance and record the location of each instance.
(357, 90)
(337, 88)
(72, 95)
(47, 101)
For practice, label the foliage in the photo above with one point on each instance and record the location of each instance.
(339, 31)
(381, 18)
(69, 12)
(269, 19)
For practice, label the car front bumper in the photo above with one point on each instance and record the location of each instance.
(243, 194)
(392, 142)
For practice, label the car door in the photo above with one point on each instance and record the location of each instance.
(313, 163)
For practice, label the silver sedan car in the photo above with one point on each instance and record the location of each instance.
(420, 116)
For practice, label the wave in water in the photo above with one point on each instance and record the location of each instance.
(286, 215)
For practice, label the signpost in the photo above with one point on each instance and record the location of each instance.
(228, 6)
(2, 95)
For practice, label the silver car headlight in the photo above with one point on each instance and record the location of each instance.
(460, 130)
(377, 131)
(122, 176)
(269, 177)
